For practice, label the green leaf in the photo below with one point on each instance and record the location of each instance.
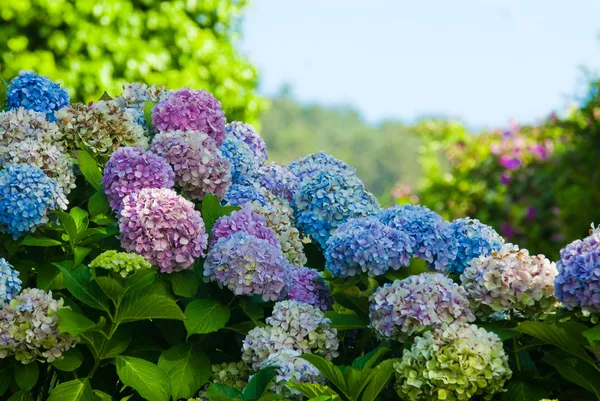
(111, 287)
(5, 378)
(80, 285)
(357, 380)
(69, 361)
(221, 392)
(22, 395)
(322, 398)
(139, 280)
(148, 112)
(351, 298)
(73, 323)
(98, 204)
(370, 359)
(258, 384)
(243, 327)
(90, 170)
(576, 372)
(150, 381)
(593, 334)
(80, 217)
(26, 376)
(518, 390)
(346, 322)
(30, 240)
(103, 396)
(74, 390)
(184, 283)
(46, 274)
(383, 373)
(117, 344)
(505, 330)
(252, 310)
(212, 210)
(329, 370)
(315, 390)
(205, 316)
(105, 96)
(188, 369)
(79, 254)
(68, 224)
(147, 308)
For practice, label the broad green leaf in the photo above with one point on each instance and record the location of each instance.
(46, 274)
(68, 224)
(322, 398)
(80, 284)
(92, 235)
(505, 330)
(417, 266)
(103, 396)
(184, 283)
(593, 334)
(139, 280)
(148, 112)
(350, 297)
(98, 204)
(79, 254)
(117, 344)
(150, 381)
(383, 373)
(221, 392)
(111, 287)
(252, 310)
(104, 220)
(329, 370)
(23, 395)
(73, 322)
(147, 308)
(357, 380)
(145, 348)
(26, 376)
(105, 96)
(370, 359)
(518, 390)
(5, 378)
(576, 372)
(346, 322)
(205, 316)
(243, 327)
(315, 390)
(258, 384)
(80, 217)
(212, 211)
(90, 170)
(74, 390)
(69, 361)
(188, 369)
(31, 240)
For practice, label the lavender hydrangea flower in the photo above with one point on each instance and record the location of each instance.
(163, 227)
(19, 124)
(122, 263)
(26, 197)
(245, 220)
(308, 286)
(279, 180)
(248, 265)
(474, 239)
(454, 362)
(578, 282)
(239, 195)
(312, 164)
(134, 98)
(29, 328)
(247, 134)
(404, 307)
(244, 165)
(36, 92)
(10, 284)
(329, 199)
(131, 169)
(290, 369)
(365, 245)
(200, 167)
(430, 237)
(510, 280)
(190, 110)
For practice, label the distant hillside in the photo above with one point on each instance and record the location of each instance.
(383, 155)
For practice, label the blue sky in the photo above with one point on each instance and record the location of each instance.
(484, 61)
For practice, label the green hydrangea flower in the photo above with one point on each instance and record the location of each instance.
(234, 374)
(122, 263)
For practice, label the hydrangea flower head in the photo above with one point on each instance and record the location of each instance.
(26, 197)
(20, 124)
(131, 169)
(279, 180)
(247, 134)
(234, 374)
(365, 245)
(430, 237)
(405, 307)
(200, 167)
(244, 165)
(134, 98)
(308, 286)
(474, 239)
(312, 164)
(29, 328)
(190, 110)
(163, 227)
(455, 362)
(239, 195)
(329, 199)
(248, 265)
(99, 128)
(122, 263)
(510, 280)
(36, 92)
(290, 369)
(245, 220)
(10, 284)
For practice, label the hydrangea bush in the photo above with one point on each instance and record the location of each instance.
(148, 251)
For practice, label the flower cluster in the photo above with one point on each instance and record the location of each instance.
(26, 197)
(29, 328)
(329, 199)
(122, 263)
(290, 369)
(36, 92)
(474, 239)
(163, 227)
(430, 237)
(99, 128)
(130, 169)
(20, 124)
(10, 284)
(200, 167)
(134, 98)
(247, 134)
(245, 220)
(248, 265)
(510, 280)
(239, 195)
(456, 362)
(578, 282)
(190, 110)
(308, 286)
(404, 307)
(279, 180)
(244, 165)
(312, 164)
(234, 374)
(365, 245)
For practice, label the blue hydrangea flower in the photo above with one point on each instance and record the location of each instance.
(36, 92)
(474, 239)
(239, 195)
(329, 199)
(247, 133)
(26, 197)
(10, 285)
(365, 245)
(431, 238)
(279, 180)
(244, 165)
(311, 164)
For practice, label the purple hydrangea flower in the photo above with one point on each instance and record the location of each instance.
(279, 180)
(163, 227)
(308, 286)
(248, 134)
(248, 265)
(474, 239)
(245, 220)
(10, 284)
(36, 92)
(190, 110)
(131, 169)
(365, 245)
(309, 165)
(244, 165)
(200, 167)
